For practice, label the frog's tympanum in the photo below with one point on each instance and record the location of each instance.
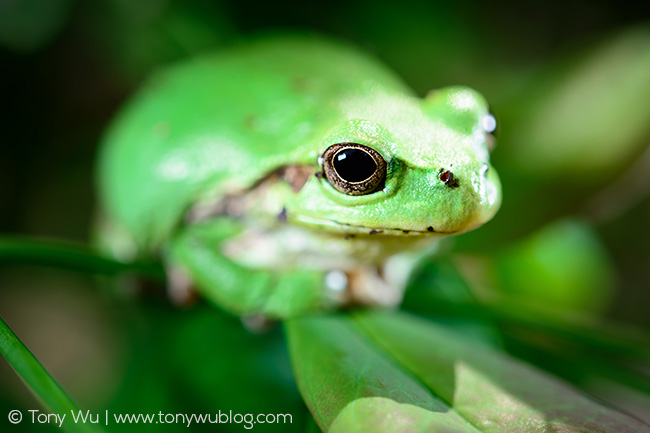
(293, 175)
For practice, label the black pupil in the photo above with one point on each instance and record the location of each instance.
(354, 165)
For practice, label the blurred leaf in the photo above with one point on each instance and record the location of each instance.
(352, 386)
(563, 265)
(628, 241)
(578, 363)
(232, 368)
(435, 293)
(493, 391)
(27, 25)
(23, 251)
(158, 32)
(587, 119)
(581, 348)
(199, 360)
(312, 427)
(39, 381)
(578, 348)
(622, 195)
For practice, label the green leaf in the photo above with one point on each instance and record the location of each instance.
(577, 347)
(440, 291)
(350, 385)
(587, 116)
(563, 265)
(39, 381)
(580, 364)
(492, 390)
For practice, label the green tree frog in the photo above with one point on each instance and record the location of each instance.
(293, 174)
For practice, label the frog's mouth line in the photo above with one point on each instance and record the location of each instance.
(353, 229)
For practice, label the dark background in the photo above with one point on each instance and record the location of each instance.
(67, 66)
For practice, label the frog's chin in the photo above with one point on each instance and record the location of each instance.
(343, 228)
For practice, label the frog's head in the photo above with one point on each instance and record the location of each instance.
(403, 166)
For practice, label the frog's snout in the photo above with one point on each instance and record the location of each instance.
(452, 200)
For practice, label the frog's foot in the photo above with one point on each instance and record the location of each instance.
(179, 287)
(367, 287)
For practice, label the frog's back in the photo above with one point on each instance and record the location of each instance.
(221, 122)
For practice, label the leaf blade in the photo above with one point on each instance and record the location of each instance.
(349, 385)
(492, 390)
(39, 381)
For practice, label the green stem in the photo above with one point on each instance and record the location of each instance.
(40, 383)
(21, 251)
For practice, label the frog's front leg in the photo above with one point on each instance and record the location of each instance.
(197, 251)
(368, 287)
(384, 285)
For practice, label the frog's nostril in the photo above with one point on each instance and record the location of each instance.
(448, 178)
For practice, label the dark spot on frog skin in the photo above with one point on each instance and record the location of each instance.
(250, 121)
(448, 178)
(297, 176)
(430, 229)
(406, 232)
(348, 237)
(299, 84)
(282, 216)
(375, 232)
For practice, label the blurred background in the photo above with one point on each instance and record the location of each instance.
(568, 83)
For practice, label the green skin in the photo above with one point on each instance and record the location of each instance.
(201, 167)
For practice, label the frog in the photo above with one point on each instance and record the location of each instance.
(292, 174)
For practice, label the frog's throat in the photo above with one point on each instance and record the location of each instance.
(352, 229)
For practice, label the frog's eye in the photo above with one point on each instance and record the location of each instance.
(354, 169)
